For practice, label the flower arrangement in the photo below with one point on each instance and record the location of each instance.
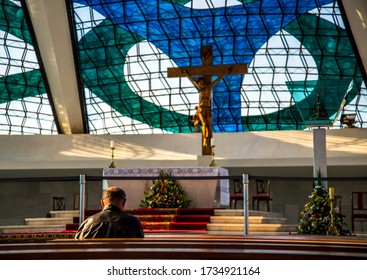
(165, 193)
(315, 217)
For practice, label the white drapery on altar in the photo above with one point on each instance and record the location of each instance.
(202, 192)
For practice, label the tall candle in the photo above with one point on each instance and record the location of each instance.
(112, 144)
(212, 142)
(331, 193)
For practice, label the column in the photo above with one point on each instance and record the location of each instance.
(319, 154)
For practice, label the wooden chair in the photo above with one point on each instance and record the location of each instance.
(359, 207)
(262, 194)
(58, 202)
(237, 193)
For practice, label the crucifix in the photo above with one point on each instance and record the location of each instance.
(205, 85)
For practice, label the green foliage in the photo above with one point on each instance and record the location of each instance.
(165, 194)
(315, 217)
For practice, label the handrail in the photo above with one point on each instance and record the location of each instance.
(231, 177)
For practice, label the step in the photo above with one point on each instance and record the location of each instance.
(64, 213)
(48, 221)
(251, 220)
(192, 218)
(28, 229)
(238, 212)
(252, 227)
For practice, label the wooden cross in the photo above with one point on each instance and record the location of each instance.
(205, 85)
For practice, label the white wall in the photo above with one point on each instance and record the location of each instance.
(347, 147)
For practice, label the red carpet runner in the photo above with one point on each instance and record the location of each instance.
(190, 220)
(158, 220)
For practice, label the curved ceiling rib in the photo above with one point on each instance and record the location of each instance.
(50, 23)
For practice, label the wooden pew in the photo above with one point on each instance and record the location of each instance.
(193, 247)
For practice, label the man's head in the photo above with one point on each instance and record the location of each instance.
(114, 196)
(201, 82)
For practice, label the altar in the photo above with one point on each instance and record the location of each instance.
(203, 193)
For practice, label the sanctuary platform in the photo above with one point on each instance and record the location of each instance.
(208, 221)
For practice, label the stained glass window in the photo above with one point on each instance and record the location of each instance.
(299, 55)
(24, 104)
(297, 51)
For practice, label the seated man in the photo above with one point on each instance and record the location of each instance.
(111, 222)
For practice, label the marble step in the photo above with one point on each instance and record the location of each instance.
(224, 228)
(48, 221)
(64, 214)
(31, 228)
(56, 222)
(251, 220)
(238, 212)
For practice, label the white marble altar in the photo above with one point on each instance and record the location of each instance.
(201, 192)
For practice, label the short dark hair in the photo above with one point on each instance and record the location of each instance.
(113, 194)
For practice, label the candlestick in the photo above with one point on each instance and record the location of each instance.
(331, 193)
(112, 164)
(332, 230)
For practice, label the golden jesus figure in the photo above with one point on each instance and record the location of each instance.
(205, 86)
(203, 113)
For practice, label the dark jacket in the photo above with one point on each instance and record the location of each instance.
(111, 222)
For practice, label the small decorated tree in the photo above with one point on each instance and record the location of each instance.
(165, 193)
(315, 217)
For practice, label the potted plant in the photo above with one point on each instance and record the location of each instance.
(315, 216)
(165, 193)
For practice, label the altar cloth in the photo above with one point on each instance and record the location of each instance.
(202, 192)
